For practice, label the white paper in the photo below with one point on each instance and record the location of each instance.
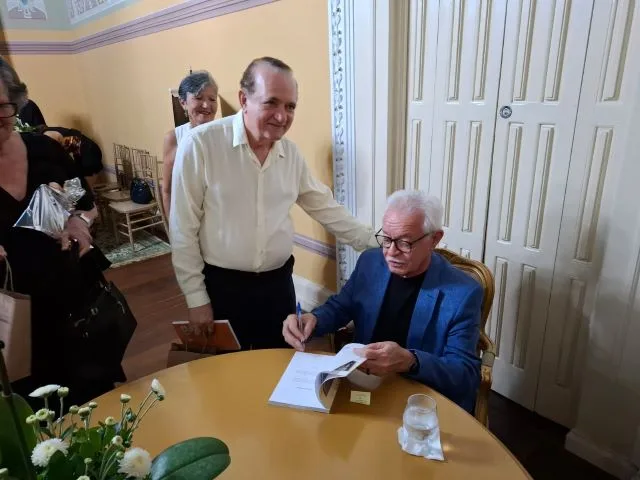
(308, 380)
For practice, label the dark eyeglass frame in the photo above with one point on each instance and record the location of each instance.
(15, 109)
(407, 246)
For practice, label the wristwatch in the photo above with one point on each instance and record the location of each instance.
(415, 368)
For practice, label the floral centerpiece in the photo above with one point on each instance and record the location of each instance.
(71, 446)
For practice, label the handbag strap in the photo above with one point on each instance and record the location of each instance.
(8, 277)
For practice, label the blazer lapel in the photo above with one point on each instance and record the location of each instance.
(425, 304)
(380, 283)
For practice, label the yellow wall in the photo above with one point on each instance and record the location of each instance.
(122, 93)
(55, 84)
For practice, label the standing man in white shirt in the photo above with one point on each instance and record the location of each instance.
(235, 180)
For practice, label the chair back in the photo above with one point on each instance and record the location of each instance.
(481, 273)
(122, 164)
(145, 167)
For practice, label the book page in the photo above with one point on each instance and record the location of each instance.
(297, 386)
(343, 363)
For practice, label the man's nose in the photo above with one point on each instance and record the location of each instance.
(280, 115)
(393, 249)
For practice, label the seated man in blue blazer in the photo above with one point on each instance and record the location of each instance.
(417, 315)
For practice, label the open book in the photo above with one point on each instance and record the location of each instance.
(310, 380)
(224, 338)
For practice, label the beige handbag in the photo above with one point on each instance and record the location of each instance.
(15, 328)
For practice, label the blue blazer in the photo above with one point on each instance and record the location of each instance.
(444, 328)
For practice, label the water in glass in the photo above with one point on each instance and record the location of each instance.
(420, 419)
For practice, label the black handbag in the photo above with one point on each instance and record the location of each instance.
(103, 329)
(140, 191)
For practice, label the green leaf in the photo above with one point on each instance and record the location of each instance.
(95, 439)
(9, 443)
(200, 458)
(59, 467)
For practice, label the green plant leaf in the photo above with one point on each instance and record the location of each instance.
(59, 468)
(200, 458)
(9, 446)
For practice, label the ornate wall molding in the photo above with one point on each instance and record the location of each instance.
(191, 11)
(342, 74)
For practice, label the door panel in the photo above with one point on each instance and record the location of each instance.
(450, 129)
(542, 65)
(608, 92)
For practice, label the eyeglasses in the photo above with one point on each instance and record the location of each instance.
(404, 246)
(8, 110)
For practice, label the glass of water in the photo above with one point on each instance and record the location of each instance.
(420, 419)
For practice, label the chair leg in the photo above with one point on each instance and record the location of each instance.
(114, 221)
(130, 233)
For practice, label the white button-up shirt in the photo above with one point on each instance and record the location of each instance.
(229, 211)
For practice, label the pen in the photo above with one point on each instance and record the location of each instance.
(299, 315)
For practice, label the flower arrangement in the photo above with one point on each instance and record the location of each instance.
(70, 448)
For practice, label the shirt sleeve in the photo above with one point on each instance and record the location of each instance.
(317, 200)
(187, 209)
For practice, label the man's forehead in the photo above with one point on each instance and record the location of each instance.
(271, 82)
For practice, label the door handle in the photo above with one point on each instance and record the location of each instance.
(505, 111)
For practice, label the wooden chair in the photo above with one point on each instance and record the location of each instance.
(485, 349)
(130, 217)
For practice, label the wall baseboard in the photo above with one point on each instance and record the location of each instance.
(603, 458)
(310, 294)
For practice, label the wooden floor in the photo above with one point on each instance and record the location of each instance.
(156, 300)
(153, 294)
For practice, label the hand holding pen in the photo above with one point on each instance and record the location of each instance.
(298, 327)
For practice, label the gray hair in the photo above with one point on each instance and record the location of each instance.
(15, 89)
(416, 201)
(194, 83)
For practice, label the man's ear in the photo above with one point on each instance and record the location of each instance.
(242, 97)
(437, 236)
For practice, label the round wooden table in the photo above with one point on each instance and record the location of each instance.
(226, 397)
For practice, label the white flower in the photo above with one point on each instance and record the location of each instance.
(43, 451)
(157, 388)
(83, 477)
(124, 398)
(63, 392)
(84, 411)
(45, 391)
(42, 414)
(110, 421)
(31, 419)
(117, 440)
(136, 463)
(93, 405)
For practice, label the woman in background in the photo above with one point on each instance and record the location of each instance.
(198, 93)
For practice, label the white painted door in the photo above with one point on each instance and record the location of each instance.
(608, 95)
(543, 57)
(454, 64)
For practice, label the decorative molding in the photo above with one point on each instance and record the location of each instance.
(320, 248)
(341, 72)
(611, 462)
(310, 294)
(191, 11)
